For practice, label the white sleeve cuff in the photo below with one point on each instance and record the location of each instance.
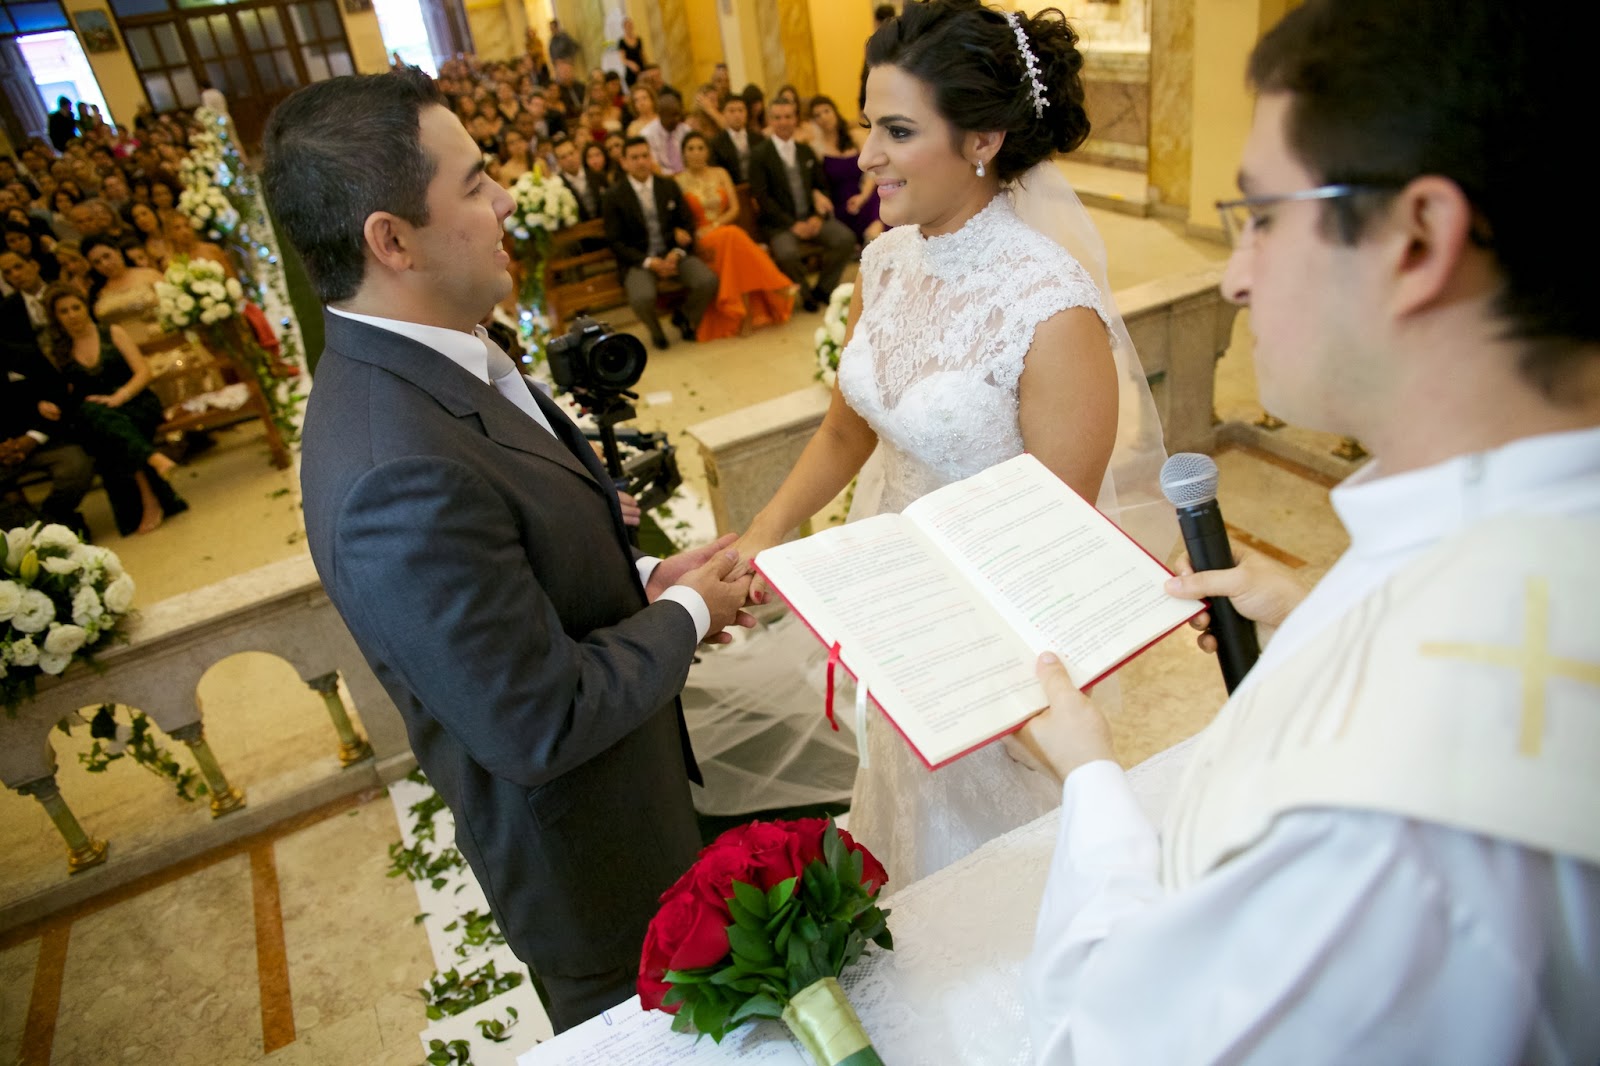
(38, 437)
(691, 601)
(646, 565)
(1111, 824)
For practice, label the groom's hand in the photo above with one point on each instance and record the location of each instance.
(1065, 735)
(670, 571)
(723, 583)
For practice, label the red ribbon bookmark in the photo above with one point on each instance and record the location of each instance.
(833, 663)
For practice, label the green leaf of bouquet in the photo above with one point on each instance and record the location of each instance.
(757, 1007)
(751, 945)
(686, 977)
(780, 893)
(743, 916)
(752, 898)
(833, 849)
(857, 867)
(682, 1022)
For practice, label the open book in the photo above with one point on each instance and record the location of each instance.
(941, 610)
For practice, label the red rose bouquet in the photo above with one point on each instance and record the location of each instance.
(761, 926)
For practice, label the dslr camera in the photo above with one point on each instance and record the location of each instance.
(595, 363)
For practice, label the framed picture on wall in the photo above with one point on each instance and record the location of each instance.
(94, 29)
(355, 7)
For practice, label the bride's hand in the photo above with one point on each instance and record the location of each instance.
(749, 545)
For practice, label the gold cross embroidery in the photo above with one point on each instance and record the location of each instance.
(1533, 658)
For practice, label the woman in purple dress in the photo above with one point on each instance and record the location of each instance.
(854, 194)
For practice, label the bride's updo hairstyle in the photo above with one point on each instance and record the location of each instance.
(968, 54)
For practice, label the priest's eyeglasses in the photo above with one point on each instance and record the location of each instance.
(1241, 218)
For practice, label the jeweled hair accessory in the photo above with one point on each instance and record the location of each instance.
(1035, 86)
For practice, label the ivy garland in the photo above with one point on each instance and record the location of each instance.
(140, 745)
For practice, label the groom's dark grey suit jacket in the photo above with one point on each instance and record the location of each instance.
(483, 568)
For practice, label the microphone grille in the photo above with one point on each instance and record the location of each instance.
(1189, 478)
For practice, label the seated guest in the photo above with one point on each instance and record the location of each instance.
(791, 197)
(804, 131)
(755, 105)
(62, 201)
(854, 194)
(722, 83)
(163, 193)
(613, 146)
(569, 165)
(599, 167)
(33, 433)
(114, 190)
(539, 122)
(751, 290)
(665, 133)
(22, 314)
(1384, 847)
(514, 159)
(75, 269)
(651, 232)
(643, 99)
(19, 238)
(109, 379)
(144, 221)
(706, 118)
(730, 148)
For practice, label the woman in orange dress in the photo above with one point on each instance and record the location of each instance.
(751, 290)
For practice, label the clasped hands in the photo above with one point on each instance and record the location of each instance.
(1072, 731)
(720, 577)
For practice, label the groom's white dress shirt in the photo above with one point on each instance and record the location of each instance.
(1341, 936)
(472, 352)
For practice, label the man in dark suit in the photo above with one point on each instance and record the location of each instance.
(792, 205)
(475, 548)
(651, 233)
(730, 148)
(585, 186)
(34, 405)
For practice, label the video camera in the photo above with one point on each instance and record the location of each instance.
(598, 365)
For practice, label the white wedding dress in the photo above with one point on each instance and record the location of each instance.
(933, 366)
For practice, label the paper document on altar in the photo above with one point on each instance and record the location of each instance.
(628, 1035)
(943, 608)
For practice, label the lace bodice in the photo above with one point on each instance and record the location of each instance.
(946, 324)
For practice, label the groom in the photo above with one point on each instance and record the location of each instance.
(1385, 849)
(474, 546)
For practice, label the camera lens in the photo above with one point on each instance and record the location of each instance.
(617, 360)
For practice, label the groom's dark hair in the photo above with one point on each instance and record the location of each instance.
(339, 150)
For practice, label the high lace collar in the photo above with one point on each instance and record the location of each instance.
(954, 254)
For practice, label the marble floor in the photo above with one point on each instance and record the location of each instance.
(292, 946)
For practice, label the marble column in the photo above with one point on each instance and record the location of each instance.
(82, 851)
(786, 48)
(1171, 104)
(224, 797)
(353, 747)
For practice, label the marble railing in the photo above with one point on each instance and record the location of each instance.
(279, 609)
(1180, 325)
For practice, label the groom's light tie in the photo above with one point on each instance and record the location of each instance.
(508, 380)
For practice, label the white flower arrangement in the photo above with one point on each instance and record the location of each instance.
(60, 599)
(829, 338)
(542, 203)
(209, 210)
(196, 292)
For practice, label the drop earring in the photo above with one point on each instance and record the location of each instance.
(981, 171)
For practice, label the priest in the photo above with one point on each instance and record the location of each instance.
(1387, 846)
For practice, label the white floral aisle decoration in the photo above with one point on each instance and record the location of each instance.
(198, 295)
(543, 205)
(209, 211)
(829, 338)
(60, 601)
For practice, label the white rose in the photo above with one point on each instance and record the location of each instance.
(23, 652)
(234, 289)
(86, 606)
(186, 303)
(64, 564)
(18, 542)
(836, 332)
(208, 302)
(204, 211)
(112, 563)
(819, 337)
(53, 664)
(34, 613)
(10, 599)
(118, 595)
(55, 535)
(64, 639)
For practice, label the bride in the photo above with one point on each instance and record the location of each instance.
(973, 337)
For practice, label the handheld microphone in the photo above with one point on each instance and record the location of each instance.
(1189, 482)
